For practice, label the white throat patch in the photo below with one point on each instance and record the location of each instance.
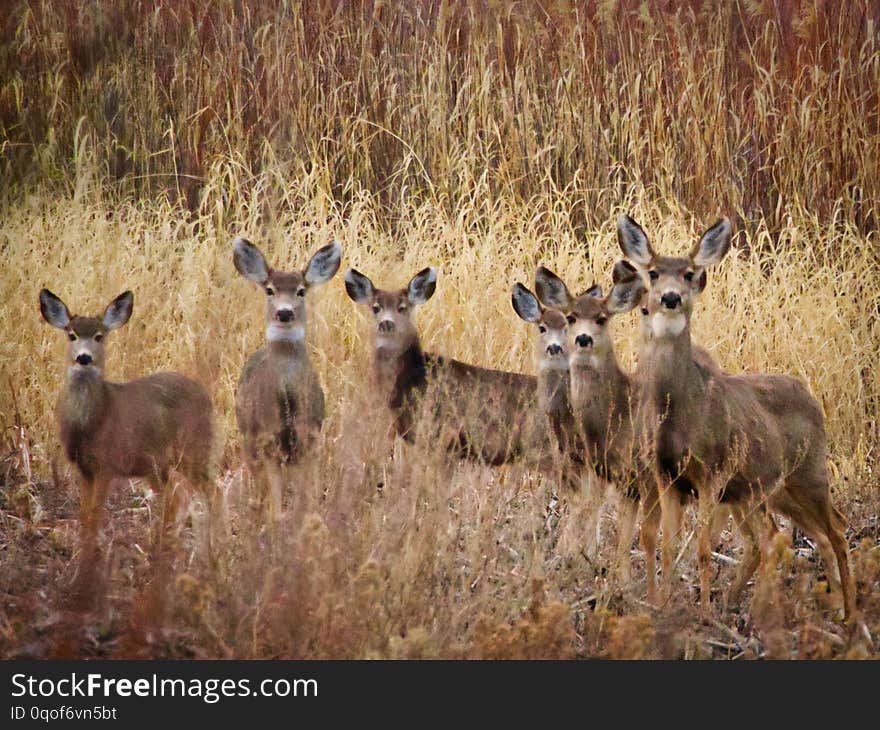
(277, 333)
(668, 325)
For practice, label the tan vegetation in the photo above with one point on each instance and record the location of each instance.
(138, 138)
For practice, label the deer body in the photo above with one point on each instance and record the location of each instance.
(473, 412)
(279, 402)
(144, 428)
(745, 440)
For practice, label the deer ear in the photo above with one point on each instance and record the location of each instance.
(422, 286)
(593, 291)
(118, 311)
(625, 295)
(633, 241)
(54, 311)
(251, 264)
(714, 244)
(358, 287)
(623, 271)
(551, 290)
(525, 304)
(324, 264)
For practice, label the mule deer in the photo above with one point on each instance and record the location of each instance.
(142, 428)
(737, 439)
(279, 403)
(602, 403)
(477, 413)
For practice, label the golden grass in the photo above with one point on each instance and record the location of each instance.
(480, 138)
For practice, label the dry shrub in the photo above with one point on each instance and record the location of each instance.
(545, 632)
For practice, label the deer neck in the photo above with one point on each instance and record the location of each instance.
(599, 390)
(286, 342)
(400, 373)
(671, 379)
(84, 399)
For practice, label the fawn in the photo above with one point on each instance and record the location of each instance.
(477, 413)
(142, 428)
(738, 439)
(279, 403)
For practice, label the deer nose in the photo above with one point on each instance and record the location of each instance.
(284, 315)
(84, 358)
(670, 300)
(554, 349)
(583, 341)
(386, 326)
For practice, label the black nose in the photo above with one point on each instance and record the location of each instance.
(84, 358)
(284, 315)
(554, 349)
(670, 300)
(583, 341)
(386, 326)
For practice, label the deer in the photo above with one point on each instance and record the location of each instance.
(472, 412)
(601, 397)
(144, 428)
(279, 402)
(756, 443)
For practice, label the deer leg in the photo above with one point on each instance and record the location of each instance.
(85, 589)
(594, 489)
(650, 501)
(626, 529)
(670, 519)
(165, 528)
(706, 508)
(275, 484)
(749, 524)
(837, 537)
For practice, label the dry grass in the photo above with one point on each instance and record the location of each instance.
(483, 140)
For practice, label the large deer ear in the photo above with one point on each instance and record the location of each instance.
(323, 264)
(421, 287)
(551, 290)
(358, 287)
(625, 295)
(251, 264)
(525, 304)
(714, 244)
(118, 311)
(634, 242)
(54, 311)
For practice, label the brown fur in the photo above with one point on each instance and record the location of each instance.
(279, 402)
(473, 412)
(737, 439)
(144, 428)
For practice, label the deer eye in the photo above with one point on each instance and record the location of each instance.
(376, 309)
(645, 311)
(542, 329)
(301, 292)
(688, 275)
(98, 337)
(571, 319)
(270, 291)
(71, 336)
(654, 275)
(401, 308)
(601, 320)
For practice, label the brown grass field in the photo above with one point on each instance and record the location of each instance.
(138, 137)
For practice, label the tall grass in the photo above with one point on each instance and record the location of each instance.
(137, 138)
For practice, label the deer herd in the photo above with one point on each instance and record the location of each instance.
(677, 429)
